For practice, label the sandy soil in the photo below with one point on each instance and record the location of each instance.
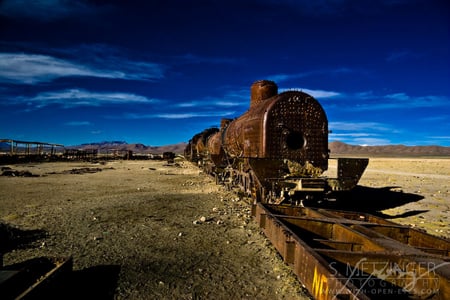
(142, 230)
(145, 230)
(427, 178)
(411, 191)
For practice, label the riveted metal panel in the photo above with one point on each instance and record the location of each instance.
(296, 128)
(289, 126)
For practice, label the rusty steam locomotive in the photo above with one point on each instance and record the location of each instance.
(277, 151)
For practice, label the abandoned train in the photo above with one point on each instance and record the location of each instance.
(277, 151)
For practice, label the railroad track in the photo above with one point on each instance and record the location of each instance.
(350, 255)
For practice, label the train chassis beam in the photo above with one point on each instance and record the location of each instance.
(349, 255)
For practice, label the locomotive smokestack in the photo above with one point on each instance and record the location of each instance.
(261, 90)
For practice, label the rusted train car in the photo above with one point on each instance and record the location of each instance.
(277, 151)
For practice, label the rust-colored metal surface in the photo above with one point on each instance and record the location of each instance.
(214, 144)
(291, 125)
(197, 145)
(215, 149)
(277, 151)
(202, 141)
(261, 90)
(276, 154)
(349, 255)
(349, 172)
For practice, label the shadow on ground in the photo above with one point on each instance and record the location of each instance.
(12, 238)
(97, 282)
(373, 200)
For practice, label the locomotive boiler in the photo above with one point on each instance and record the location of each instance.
(275, 152)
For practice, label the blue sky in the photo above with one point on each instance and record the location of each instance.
(157, 72)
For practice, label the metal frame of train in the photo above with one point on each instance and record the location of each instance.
(277, 151)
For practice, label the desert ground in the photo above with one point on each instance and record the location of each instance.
(409, 191)
(148, 230)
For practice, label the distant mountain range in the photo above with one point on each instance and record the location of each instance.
(339, 148)
(136, 148)
(336, 149)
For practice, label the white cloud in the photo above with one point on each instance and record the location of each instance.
(182, 115)
(358, 126)
(402, 55)
(36, 68)
(31, 69)
(209, 103)
(79, 97)
(393, 101)
(438, 139)
(320, 72)
(189, 104)
(319, 94)
(350, 135)
(444, 119)
(228, 103)
(230, 99)
(78, 123)
(363, 139)
(419, 101)
(361, 133)
(398, 96)
(371, 141)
